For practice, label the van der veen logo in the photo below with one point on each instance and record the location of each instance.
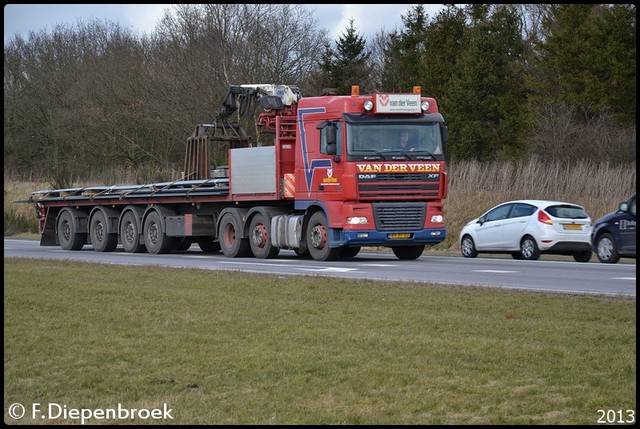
(383, 99)
(398, 168)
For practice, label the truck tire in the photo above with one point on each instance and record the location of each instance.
(207, 245)
(68, 237)
(129, 235)
(231, 242)
(349, 252)
(260, 238)
(101, 240)
(155, 238)
(318, 240)
(606, 249)
(408, 253)
(182, 244)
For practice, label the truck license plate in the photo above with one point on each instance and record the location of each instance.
(399, 236)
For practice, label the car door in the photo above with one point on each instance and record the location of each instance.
(627, 225)
(513, 227)
(489, 232)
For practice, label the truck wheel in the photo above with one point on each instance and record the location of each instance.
(207, 245)
(101, 240)
(606, 249)
(407, 253)
(349, 252)
(317, 239)
(529, 249)
(260, 238)
(231, 242)
(67, 236)
(155, 239)
(182, 244)
(129, 234)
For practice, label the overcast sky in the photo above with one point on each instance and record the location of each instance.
(368, 18)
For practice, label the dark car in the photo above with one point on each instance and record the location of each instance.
(614, 235)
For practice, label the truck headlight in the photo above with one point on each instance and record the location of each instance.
(436, 219)
(357, 220)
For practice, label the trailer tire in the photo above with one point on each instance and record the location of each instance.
(408, 253)
(129, 235)
(207, 245)
(318, 239)
(155, 239)
(101, 240)
(231, 242)
(68, 237)
(260, 238)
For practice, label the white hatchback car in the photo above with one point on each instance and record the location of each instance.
(528, 228)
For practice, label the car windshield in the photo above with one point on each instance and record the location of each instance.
(566, 212)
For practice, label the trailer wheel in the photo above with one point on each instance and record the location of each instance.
(129, 234)
(260, 238)
(207, 245)
(101, 240)
(231, 242)
(68, 237)
(154, 236)
(407, 253)
(318, 240)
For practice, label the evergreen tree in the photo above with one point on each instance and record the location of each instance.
(349, 64)
(486, 99)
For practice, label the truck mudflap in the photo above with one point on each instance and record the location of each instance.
(390, 238)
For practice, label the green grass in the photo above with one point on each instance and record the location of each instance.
(237, 348)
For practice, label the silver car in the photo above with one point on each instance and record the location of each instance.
(528, 228)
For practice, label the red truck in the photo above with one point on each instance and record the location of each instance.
(330, 177)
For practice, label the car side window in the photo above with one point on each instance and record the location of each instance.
(522, 210)
(632, 206)
(498, 213)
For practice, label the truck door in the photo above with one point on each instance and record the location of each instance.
(322, 154)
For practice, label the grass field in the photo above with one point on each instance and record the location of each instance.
(237, 348)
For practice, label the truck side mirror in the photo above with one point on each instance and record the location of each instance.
(332, 138)
(444, 131)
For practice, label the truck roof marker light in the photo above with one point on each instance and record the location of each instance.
(425, 106)
(355, 90)
(368, 105)
(417, 89)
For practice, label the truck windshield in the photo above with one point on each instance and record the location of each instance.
(394, 142)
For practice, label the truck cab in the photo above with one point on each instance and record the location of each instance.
(614, 235)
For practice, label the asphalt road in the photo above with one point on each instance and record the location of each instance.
(593, 278)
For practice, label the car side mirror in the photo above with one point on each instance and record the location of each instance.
(623, 207)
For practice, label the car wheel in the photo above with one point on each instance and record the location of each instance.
(582, 256)
(517, 256)
(606, 249)
(529, 249)
(468, 247)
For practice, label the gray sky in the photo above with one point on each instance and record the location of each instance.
(368, 18)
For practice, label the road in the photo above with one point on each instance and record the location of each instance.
(591, 278)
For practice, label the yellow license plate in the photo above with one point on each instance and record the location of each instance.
(572, 226)
(399, 236)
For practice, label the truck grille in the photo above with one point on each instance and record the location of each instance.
(417, 186)
(399, 216)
